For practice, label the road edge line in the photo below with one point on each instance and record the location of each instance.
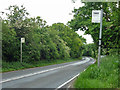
(69, 80)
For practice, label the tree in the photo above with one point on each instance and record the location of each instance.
(82, 21)
(90, 50)
(71, 38)
(42, 42)
(10, 45)
(17, 18)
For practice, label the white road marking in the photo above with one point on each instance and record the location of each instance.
(31, 74)
(67, 81)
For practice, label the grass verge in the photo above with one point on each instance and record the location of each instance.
(106, 76)
(13, 66)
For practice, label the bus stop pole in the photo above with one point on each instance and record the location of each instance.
(100, 39)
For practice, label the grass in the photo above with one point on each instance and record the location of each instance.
(106, 76)
(13, 66)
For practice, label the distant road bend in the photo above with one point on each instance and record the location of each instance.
(52, 76)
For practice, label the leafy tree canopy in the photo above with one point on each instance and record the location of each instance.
(111, 25)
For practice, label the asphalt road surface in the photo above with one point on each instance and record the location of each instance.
(52, 76)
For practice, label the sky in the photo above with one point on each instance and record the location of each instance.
(52, 11)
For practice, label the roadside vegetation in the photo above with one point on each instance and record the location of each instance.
(105, 76)
(13, 66)
(90, 50)
(43, 44)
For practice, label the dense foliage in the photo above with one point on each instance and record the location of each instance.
(42, 42)
(111, 25)
(90, 50)
(71, 38)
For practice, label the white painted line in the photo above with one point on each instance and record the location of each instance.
(31, 74)
(67, 82)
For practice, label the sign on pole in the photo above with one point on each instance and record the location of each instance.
(97, 16)
(22, 41)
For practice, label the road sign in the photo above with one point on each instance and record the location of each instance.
(22, 40)
(96, 16)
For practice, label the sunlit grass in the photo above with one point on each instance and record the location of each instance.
(106, 76)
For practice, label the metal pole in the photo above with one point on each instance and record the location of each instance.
(21, 53)
(100, 37)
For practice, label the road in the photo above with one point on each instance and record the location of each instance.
(52, 76)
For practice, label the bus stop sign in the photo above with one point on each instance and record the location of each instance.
(96, 16)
